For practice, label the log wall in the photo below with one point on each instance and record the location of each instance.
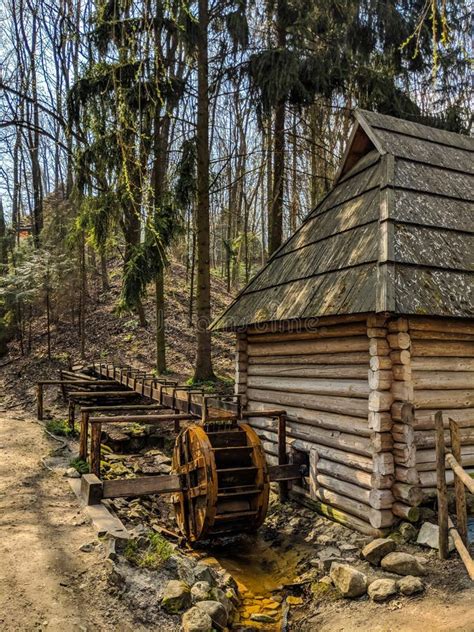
(361, 393)
(442, 370)
(320, 377)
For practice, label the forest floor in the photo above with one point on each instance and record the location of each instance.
(48, 583)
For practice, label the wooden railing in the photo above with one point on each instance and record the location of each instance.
(461, 480)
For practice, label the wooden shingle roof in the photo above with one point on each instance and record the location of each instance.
(395, 233)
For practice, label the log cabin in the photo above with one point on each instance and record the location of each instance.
(361, 325)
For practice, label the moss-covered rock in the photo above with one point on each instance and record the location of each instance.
(176, 597)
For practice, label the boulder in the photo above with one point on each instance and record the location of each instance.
(381, 589)
(429, 536)
(176, 596)
(328, 552)
(203, 573)
(200, 592)
(350, 582)
(408, 532)
(71, 472)
(216, 611)
(410, 585)
(377, 549)
(402, 564)
(196, 620)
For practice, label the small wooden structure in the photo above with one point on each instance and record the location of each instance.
(360, 326)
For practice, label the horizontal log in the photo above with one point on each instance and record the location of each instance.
(334, 331)
(460, 472)
(442, 348)
(424, 419)
(378, 347)
(120, 407)
(338, 515)
(380, 421)
(404, 431)
(321, 436)
(442, 364)
(376, 320)
(142, 486)
(410, 494)
(380, 363)
(380, 401)
(402, 391)
(341, 405)
(350, 459)
(399, 340)
(440, 335)
(377, 518)
(443, 380)
(101, 394)
(381, 441)
(442, 324)
(407, 475)
(412, 514)
(376, 332)
(402, 411)
(72, 382)
(380, 380)
(344, 472)
(402, 372)
(301, 324)
(428, 479)
(305, 359)
(428, 465)
(443, 399)
(321, 419)
(400, 357)
(339, 388)
(144, 419)
(404, 455)
(400, 324)
(329, 345)
(429, 456)
(349, 371)
(427, 438)
(381, 499)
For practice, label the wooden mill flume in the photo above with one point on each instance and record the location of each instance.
(220, 478)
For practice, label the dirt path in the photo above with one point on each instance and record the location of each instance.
(46, 582)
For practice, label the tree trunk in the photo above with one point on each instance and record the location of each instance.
(48, 323)
(203, 369)
(160, 322)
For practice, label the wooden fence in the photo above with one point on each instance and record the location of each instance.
(462, 479)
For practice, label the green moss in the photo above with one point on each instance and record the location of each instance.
(81, 466)
(324, 591)
(60, 427)
(151, 556)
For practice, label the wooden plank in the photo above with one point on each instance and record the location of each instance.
(145, 419)
(461, 509)
(445, 325)
(337, 387)
(459, 472)
(462, 550)
(142, 486)
(441, 487)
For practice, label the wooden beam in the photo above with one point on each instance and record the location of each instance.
(441, 487)
(91, 489)
(142, 486)
(460, 472)
(462, 550)
(460, 493)
(102, 394)
(145, 419)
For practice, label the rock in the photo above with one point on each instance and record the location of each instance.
(381, 589)
(402, 564)
(196, 620)
(350, 582)
(262, 618)
(182, 567)
(219, 595)
(200, 592)
(408, 532)
(88, 547)
(203, 573)
(176, 597)
(328, 552)
(71, 472)
(429, 536)
(410, 585)
(325, 565)
(216, 612)
(377, 549)
(348, 548)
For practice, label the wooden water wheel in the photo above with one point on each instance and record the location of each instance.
(224, 479)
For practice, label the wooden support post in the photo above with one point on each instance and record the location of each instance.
(282, 456)
(91, 489)
(83, 435)
(63, 386)
(177, 426)
(39, 401)
(71, 414)
(441, 487)
(461, 509)
(96, 434)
